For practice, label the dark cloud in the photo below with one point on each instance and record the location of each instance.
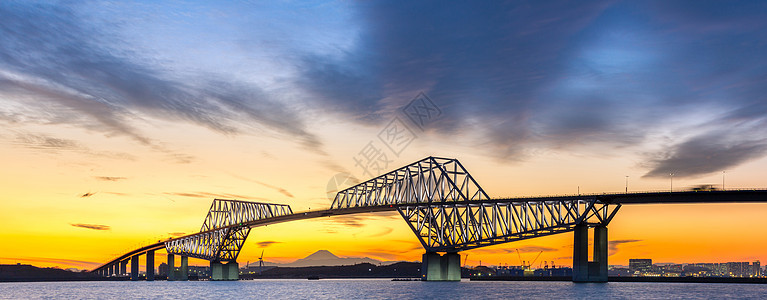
(110, 178)
(92, 226)
(515, 78)
(613, 245)
(524, 76)
(706, 154)
(264, 244)
(88, 194)
(60, 57)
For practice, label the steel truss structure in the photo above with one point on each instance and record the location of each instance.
(453, 227)
(222, 234)
(432, 179)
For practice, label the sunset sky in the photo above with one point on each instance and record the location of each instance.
(120, 122)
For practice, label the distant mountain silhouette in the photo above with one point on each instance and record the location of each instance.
(325, 258)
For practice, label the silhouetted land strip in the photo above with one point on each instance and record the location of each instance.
(628, 279)
(364, 270)
(18, 273)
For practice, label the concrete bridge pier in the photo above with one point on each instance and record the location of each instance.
(228, 271)
(184, 269)
(171, 267)
(180, 274)
(123, 267)
(436, 267)
(150, 265)
(134, 267)
(583, 269)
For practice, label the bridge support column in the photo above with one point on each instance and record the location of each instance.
(123, 267)
(221, 271)
(171, 267)
(184, 268)
(583, 269)
(150, 265)
(437, 267)
(134, 267)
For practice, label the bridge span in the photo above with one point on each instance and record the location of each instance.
(445, 208)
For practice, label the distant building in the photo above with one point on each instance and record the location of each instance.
(639, 266)
(618, 271)
(162, 269)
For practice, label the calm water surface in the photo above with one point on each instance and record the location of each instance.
(375, 289)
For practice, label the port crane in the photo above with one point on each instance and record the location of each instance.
(529, 265)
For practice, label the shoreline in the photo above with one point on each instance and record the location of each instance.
(629, 279)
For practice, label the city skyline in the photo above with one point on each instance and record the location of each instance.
(121, 122)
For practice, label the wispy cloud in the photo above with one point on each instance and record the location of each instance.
(88, 194)
(385, 231)
(84, 83)
(613, 245)
(528, 249)
(264, 244)
(522, 249)
(92, 226)
(110, 178)
(276, 188)
(42, 141)
(214, 195)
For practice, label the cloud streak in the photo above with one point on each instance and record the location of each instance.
(91, 226)
(264, 244)
(212, 195)
(613, 245)
(110, 178)
(58, 55)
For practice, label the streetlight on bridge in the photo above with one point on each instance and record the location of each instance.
(723, 180)
(627, 184)
(672, 182)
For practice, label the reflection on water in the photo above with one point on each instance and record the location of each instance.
(375, 289)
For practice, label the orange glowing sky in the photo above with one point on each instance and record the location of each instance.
(120, 123)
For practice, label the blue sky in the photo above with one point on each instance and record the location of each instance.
(682, 82)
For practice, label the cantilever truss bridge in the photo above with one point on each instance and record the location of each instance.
(442, 203)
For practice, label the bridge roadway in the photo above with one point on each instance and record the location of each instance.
(684, 197)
